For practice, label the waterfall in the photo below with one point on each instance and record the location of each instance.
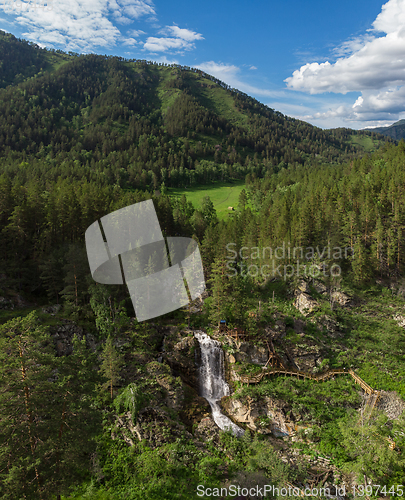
(212, 382)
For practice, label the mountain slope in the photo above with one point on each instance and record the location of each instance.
(139, 124)
(20, 60)
(395, 131)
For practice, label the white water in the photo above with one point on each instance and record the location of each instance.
(212, 382)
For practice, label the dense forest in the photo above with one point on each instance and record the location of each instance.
(82, 136)
(139, 125)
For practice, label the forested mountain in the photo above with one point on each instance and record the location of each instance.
(396, 131)
(138, 124)
(94, 404)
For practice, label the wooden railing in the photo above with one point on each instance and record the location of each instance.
(374, 395)
(255, 379)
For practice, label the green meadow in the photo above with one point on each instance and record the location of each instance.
(222, 194)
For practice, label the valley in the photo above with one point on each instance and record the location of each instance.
(301, 236)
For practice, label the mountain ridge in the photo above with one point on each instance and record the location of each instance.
(144, 123)
(395, 131)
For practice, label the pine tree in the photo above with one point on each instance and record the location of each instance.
(76, 271)
(111, 365)
(220, 286)
(46, 413)
(52, 273)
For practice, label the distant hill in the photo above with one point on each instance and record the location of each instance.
(395, 131)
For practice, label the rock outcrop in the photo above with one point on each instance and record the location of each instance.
(152, 424)
(341, 298)
(63, 337)
(267, 416)
(305, 303)
(182, 355)
(391, 404)
(331, 326)
(400, 319)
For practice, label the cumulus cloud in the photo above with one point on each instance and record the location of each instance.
(373, 65)
(179, 39)
(135, 33)
(184, 33)
(228, 73)
(130, 42)
(80, 24)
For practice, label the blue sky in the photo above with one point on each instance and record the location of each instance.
(331, 64)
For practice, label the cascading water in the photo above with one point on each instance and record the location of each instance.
(212, 382)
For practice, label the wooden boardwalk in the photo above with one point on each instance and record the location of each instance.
(246, 379)
(278, 368)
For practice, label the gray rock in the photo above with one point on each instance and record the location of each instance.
(305, 303)
(331, 326)
(250, 353)
(51, 309)
(302, 287)
(341, 298)
(207, 430)
(400, 320)
(6, 304)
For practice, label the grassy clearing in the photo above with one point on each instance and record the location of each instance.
(366, 143)
(223, 195)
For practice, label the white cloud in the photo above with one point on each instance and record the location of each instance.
(252, 67)
(154, 44)
(81, 25)
(183, 40)
(184, 33)
(135, 32)
(391, 18)
(137, 8)
(372, 64)
(130, 42)
(228, 73)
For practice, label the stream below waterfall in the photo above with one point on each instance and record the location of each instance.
(212, 382)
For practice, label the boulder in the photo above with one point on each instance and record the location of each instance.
(302, 287)
(266, 416)
(52, 310)
(250, 353)
(6, 304)
(305, 303)
(241, 411)
(306, 356)
(207, 430)
(341, 298)
(400, 320)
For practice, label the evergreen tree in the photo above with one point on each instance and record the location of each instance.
(111, 365)
(46, 413)
(220, 287)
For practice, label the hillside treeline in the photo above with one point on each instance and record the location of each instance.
(351, 215)
(139, 125)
